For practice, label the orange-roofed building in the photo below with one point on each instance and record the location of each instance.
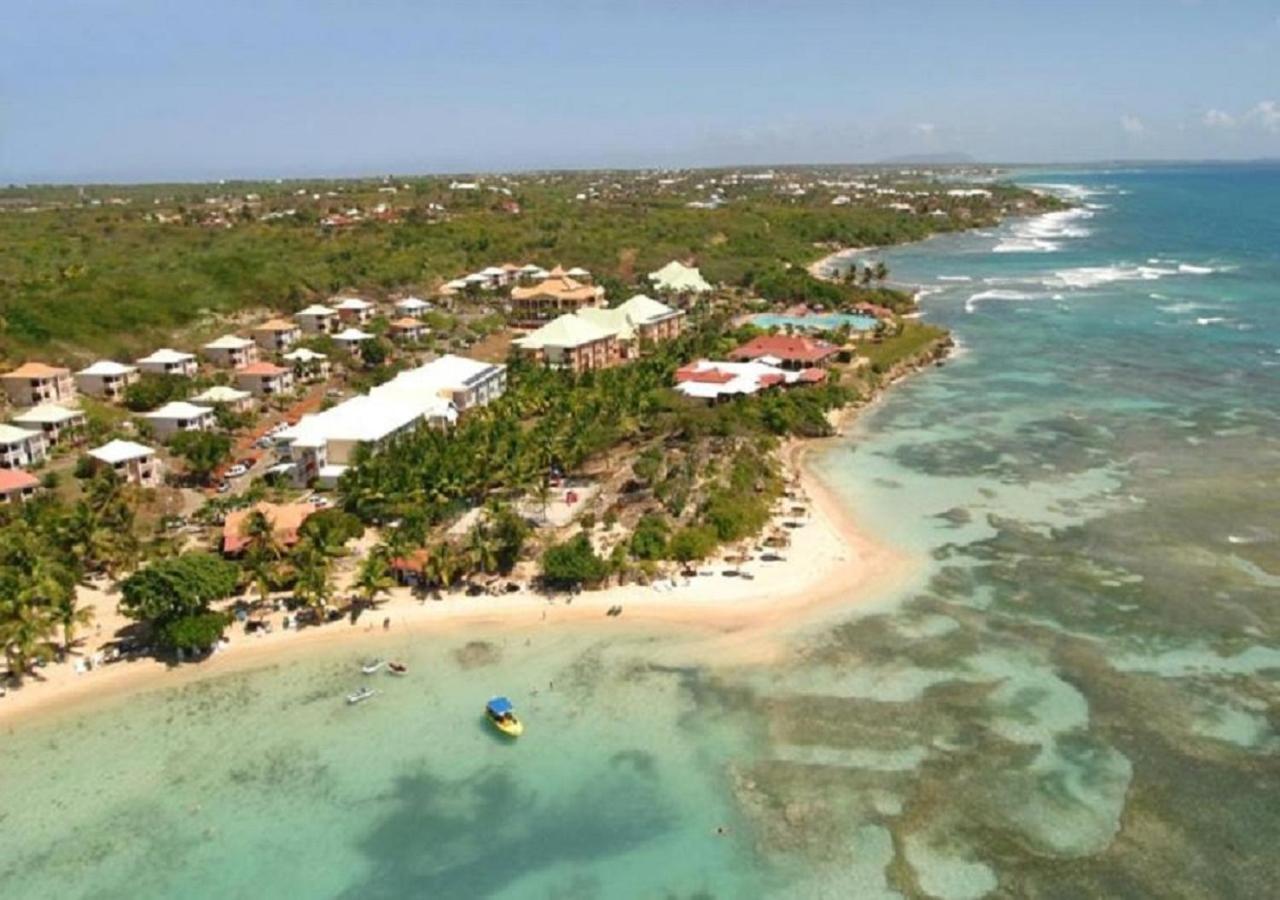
(16, 485)
(264, 379)
(552, 297)
(788, 351)
(34, 383)
(408, 328)
(286, 519)
(277, 335)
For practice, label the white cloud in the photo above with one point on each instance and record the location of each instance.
(1266, 113)
(1216, 118)
(1132, 125)
(926, 129)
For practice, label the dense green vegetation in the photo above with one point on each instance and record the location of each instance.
(174, 596)
(116, 270)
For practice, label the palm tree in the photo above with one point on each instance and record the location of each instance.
(312, 586)
(482, 549)
(441, 565)
(70, 616)
(25, 630)
(262, 533)
(882, 271)
(375, 574)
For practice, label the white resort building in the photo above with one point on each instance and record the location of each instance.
(307, 364)
(106, 379)
(354, 311)
(317, 319)
(58, 424)
(231, 351)
(322, 446)
(177, 416)
(20, 448)
(135, 463)
(231, 398)
(169, 362)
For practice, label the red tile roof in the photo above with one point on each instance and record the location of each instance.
(705, 376)
(414, 562)
(787, 348)
(16, 480)
(285, 519)
(262, 368)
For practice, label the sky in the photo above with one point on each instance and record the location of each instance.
(143, 90)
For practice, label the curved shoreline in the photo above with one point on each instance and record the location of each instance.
(833, 564)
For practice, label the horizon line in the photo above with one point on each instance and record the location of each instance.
(881, 164)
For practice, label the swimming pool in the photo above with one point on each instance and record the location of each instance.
(815, 321)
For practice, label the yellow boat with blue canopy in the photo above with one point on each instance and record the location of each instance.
(502, 714)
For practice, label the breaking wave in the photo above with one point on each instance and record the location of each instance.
(999, 294)
(1045, 234)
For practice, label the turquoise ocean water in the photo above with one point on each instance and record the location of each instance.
(1077, 697)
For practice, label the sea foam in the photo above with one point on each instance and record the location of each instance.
(1044, 234)
(999, 294)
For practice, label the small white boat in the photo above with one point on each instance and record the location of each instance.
(360, 696)
(371, 667)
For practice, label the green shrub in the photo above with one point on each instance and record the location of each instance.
(572, 563)
(692, 543)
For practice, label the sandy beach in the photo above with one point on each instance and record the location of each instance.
(818, 268)
(831, 564)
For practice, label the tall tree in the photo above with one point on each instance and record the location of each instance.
(311, 565)
(374, 577)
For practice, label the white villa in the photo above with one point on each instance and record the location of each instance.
(308, 365)
(351, 339)
(135, 463)
(169, 362)
(20, 448)
(56, 423)
(231, 351)
(106, 379)
(232, 398)
(412, 306)
(177, 416)
(354, 310)
(317, 319)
